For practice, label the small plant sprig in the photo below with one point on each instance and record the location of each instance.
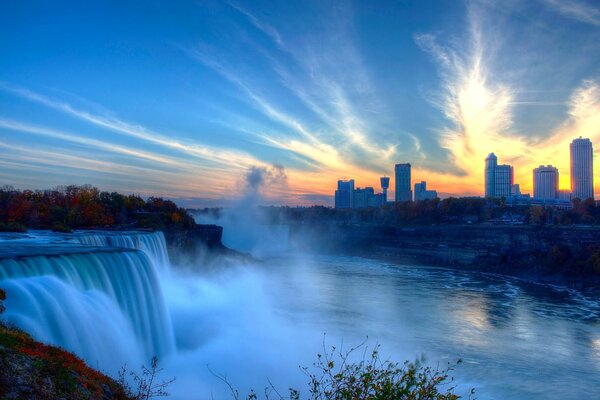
(146, 387)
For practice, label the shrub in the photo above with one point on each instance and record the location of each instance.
(335, 377)
(146, 386)
(12, 227)
(58, 227)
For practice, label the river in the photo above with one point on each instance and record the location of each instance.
(259, 323)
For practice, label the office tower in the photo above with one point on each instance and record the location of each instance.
(363, 197)
(385, 184)
(403, 190)
(490, 170)
(498, 178)
(545, 182)
(582, 169)
(344, 195)
(503, 180)
(421, 192)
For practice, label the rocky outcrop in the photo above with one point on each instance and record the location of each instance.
(205, 235)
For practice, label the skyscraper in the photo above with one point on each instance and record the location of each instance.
(545, 182)
(498, 178)
(403, 190)
(503, 180)
(490, 173)
(344, 195)
(582, 169)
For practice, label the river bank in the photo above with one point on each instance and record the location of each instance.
(565, 255)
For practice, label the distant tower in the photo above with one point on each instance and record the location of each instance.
(545, 182)
(385, 184)
(490, 175)
(498, 178)
(344, 195)
(403, 186)
(582, 169)
(503, 180)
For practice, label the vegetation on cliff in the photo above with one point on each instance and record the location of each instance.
(69, 207)
(436, 211)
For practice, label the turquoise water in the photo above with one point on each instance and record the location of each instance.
(116, 300)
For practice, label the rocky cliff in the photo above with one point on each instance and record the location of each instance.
(553, 254)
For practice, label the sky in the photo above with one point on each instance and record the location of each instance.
(187, 99)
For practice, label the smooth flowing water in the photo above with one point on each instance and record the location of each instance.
(517, 340)
(259, 323)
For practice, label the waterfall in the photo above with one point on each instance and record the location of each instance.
(36, 295)
(153, 244)
(88, 323)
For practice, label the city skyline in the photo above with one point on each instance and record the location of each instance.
(184, 100)
(498, 183)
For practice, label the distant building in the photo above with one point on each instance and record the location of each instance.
(545, 182)
(363, 196)
(564, 195)
(403, 182)
(490, 174)
(421, 192)
(526, 200)
(504, 180)
(385, 184)
(376, 200)
(515, 190)
(499, 179)
(344, 195)
(582, 169)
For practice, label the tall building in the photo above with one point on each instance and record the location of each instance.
(490, 170)
(504, 179)
(403, 190)
(363, 197)
(545, 183)
(421, 192)
(385, 185)
(499, 179)
(344, 195)
(582, 169)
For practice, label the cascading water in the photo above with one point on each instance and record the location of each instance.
(89, 323)
(93, 300)
(153, 244)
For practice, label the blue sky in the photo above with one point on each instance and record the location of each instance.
(182, 99)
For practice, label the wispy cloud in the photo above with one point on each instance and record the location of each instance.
(481, 111)
(579, 10)
(329, 87)
(261, 26)
(206, 153)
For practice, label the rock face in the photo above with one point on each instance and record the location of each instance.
(528, 251)
(30, 370)
(204, 235)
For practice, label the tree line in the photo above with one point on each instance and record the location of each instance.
(69, 207)
(442, 211)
